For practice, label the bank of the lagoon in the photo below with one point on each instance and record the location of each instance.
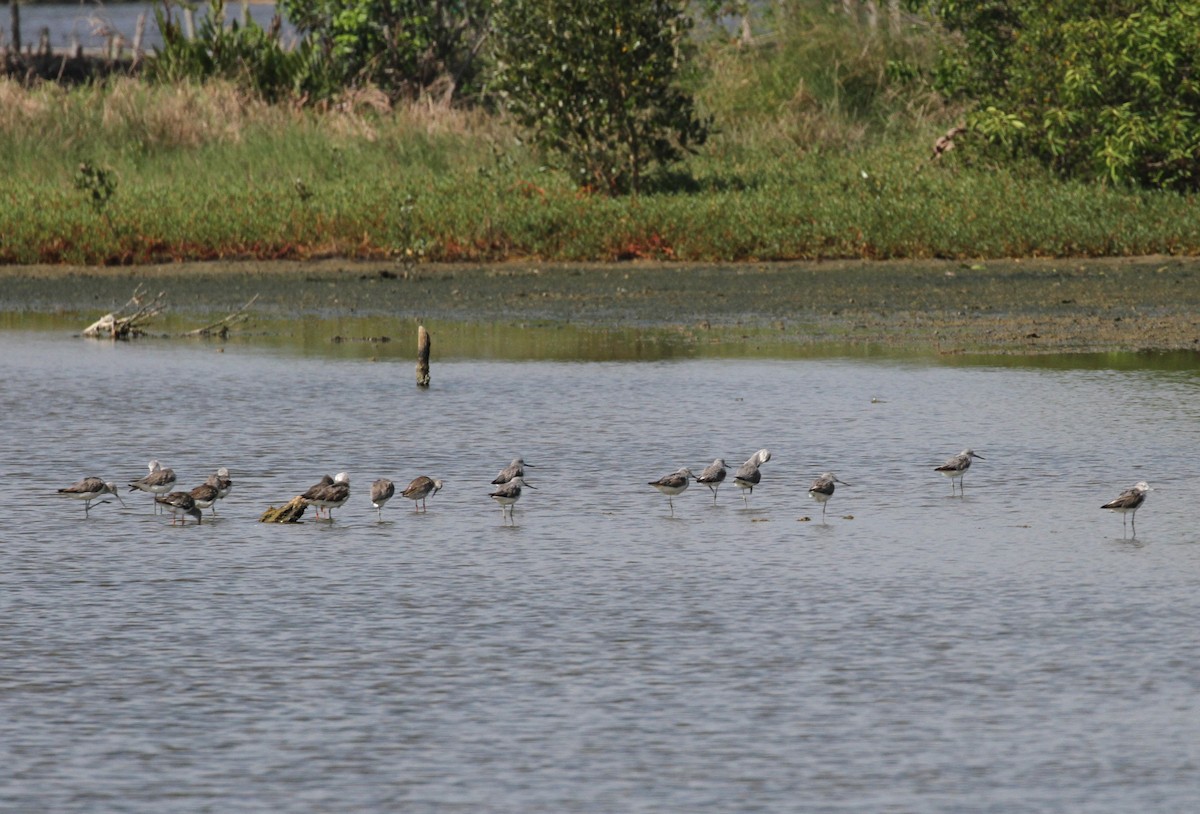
(1024, 307)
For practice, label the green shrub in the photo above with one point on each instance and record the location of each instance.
(1097, 89)
(598, 84)
(247, 54)
(400, 46)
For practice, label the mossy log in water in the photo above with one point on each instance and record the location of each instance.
(290, 512)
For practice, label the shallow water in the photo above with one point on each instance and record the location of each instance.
(1007, 650)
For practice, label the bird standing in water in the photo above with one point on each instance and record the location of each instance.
(822, 489)
(713, 476)
(1128, 502)
(956, 467)
(674, 484)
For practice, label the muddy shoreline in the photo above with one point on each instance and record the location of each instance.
(1025, 306)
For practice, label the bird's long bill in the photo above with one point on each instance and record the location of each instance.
(118, 494)
(529, 485)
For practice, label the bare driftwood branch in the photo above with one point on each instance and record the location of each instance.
(124, 323)
(221, 327)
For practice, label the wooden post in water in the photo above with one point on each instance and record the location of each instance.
(422, 356)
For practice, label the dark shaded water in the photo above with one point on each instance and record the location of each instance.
(1003, 651)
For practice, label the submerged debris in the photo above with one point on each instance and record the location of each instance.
(127, 324)
(290, 512)
(124, 323)
(221, 327)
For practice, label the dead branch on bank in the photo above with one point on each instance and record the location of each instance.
(125, 324)
(220, 328)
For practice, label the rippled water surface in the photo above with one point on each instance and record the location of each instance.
(1007, 650)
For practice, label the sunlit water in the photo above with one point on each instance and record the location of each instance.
(1003, 651)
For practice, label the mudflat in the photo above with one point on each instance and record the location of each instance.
(1014, 306)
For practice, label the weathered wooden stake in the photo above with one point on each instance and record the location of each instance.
(422, 356)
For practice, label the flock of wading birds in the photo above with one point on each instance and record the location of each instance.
(332, 493)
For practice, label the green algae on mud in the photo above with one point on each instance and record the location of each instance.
(1008, 307)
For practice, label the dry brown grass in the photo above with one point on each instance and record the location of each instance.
(191, 115)
(21, 108)
(186, 115)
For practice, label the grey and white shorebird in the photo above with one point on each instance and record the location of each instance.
(181, 504)
(421, 488)
(1128, 502)
(748, 476)
(516, 469)
(89, 490)
(956, 467)
(713, 476)
(382, 491)
(312, 491)
(331, 496)
(674, 484)
(159, 481)
(507, 494)
(223, 482)
(206, 494)
(822, 489)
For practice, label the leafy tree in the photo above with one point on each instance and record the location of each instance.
(1102, 89)
(599, 84)
(401, 46)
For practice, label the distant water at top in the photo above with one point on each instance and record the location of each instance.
(89, 23)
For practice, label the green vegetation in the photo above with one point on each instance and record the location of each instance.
(245, 54)
(824, 131)
(598, 84)
(1105, 91)
(400, 46)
